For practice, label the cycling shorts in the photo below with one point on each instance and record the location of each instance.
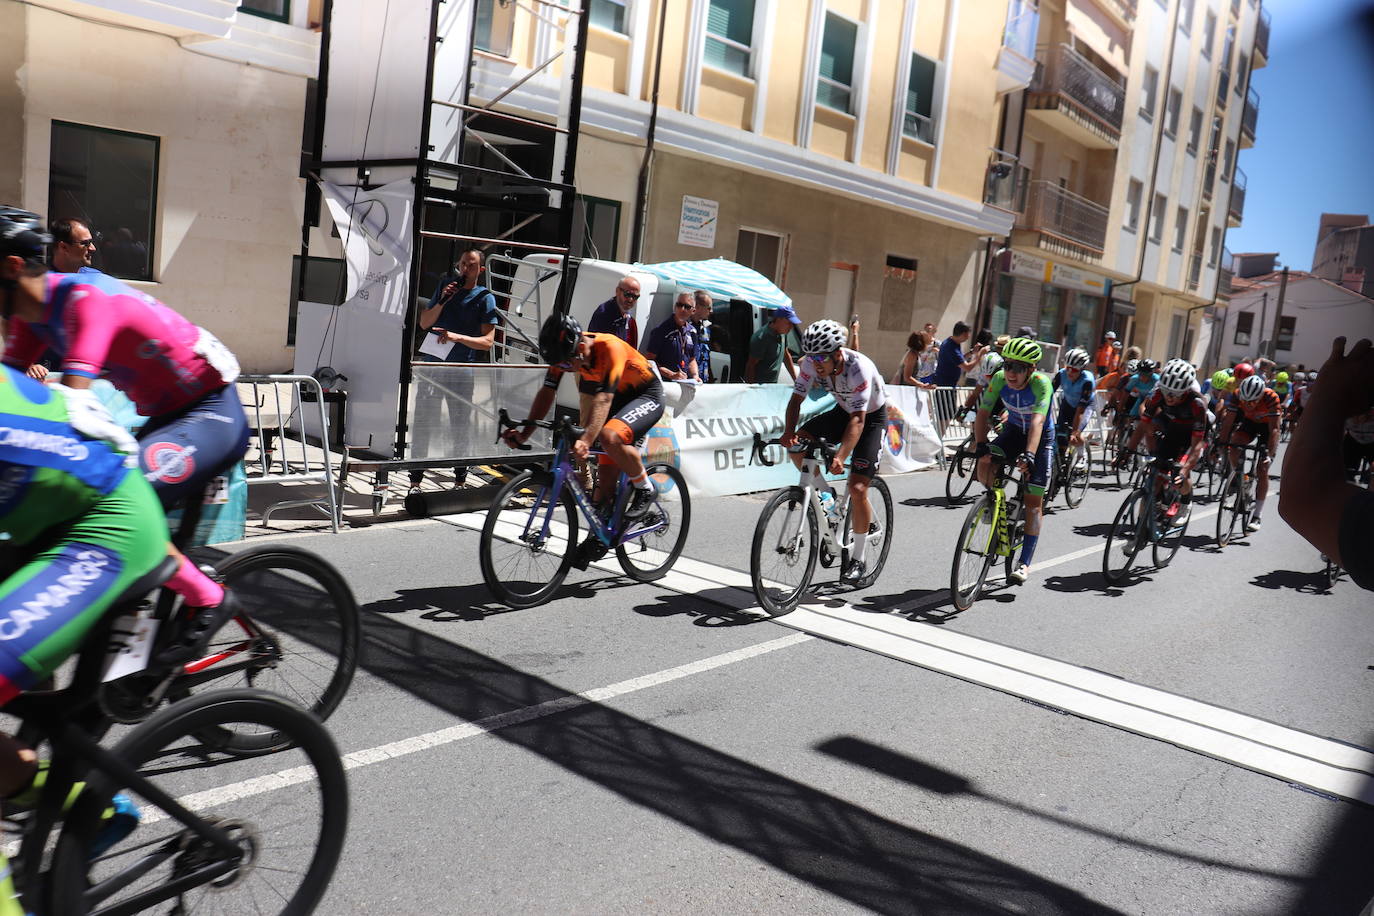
(633, 416)
(1172, 443)
(60, 591)
(1246, 429)
(1012, 442)
(179, 453)
(830, 426)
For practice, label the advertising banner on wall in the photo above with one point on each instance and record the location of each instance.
(375, 227)
(708, 435)
(698, 224)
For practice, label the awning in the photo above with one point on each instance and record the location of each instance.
(1096, 29)
(723, 280)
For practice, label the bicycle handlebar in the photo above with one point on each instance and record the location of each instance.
(806, 447)
(562, 426)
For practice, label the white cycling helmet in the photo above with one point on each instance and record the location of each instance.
(1131, 366)
(823, 338)
(1178, 377)
(991, 363)
(1076, 359)
(1251, 388)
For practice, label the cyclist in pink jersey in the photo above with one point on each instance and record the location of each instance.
(177, 374)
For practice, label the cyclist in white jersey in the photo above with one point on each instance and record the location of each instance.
(856, 422)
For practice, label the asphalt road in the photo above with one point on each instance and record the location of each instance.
(1061, 747)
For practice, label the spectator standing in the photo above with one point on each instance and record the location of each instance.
(462, 312)
(930, 357)
(909, 372)
(701, 323)
(673, 343)
(950, 364)
(614, 315)
(768, 347)
(74, 249)
(1108, 355)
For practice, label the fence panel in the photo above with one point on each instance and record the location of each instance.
(279, 408)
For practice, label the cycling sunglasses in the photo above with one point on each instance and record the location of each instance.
(1015, 366)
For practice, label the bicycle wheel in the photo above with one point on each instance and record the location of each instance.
(649, 556)
(783, 556)
(1126, 539)
(1231, 511)
(1168, 538)
(527, 540)
(297, 636)
(879, 533)
(1333, 572)
(1125, 471)
(1079, 476)
(973, 553)
(288, 823)
(959, 477)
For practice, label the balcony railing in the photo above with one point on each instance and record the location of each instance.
(1251, 116)
(1237, 207)
(1006, 182)
(1194, 271)
(1064, 215)
(1070, 79)
(1262, 34)
(1023, 23)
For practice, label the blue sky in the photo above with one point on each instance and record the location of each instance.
(1314, 142)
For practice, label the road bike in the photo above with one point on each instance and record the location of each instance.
(529, 539)
(962, 465)
(1236, 509)
(994, 528)
(808, 522)
(217, 828)
(1127, 462)
(1070, 472)
(1149, 515)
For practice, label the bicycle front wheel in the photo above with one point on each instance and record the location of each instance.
(1126, 538)
(652, 544)
(297, 636)
(782, 559)
(959, 477)
(527, 540)
(287, 825)
(1079, 476)
(973, 553)
(879, 532)
(1125, 470)
(1231, 511)
(1169, 538)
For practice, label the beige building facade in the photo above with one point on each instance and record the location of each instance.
(175, 130)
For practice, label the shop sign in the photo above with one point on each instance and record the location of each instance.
(698, 224)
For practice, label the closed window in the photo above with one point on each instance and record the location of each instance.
(324, 283)
(1216, 246)
(1242, 70)
(279, 10)
(1287, 325)
(1180, 228)
(1133, 193)
(1245, 322)
(1209, 34)
(1228, 160)
(1171, 116)
(108, 180)
(920, 92)
(761, 251)
(730, 36)
(1149, 90)
(1194, 131)
(600, 224)
(1157, 229)
(609, 14)
(835, 86)
(1185, 16)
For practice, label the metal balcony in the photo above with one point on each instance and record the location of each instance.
(1248, 119)
(1016, 59)
(1262, 38)
(1236, 209)
(1075, 97)
(1006, 182)
(1066, 222)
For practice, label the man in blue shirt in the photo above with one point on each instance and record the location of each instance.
(615, 315)
(673, 344)
(950, 364)
(462, 312)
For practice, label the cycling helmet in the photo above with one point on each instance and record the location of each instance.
(1243, 371)
(1281, 377)
(1076, 359)
(1022, 350)
(1299, 376)
(823, 338)
(558, 338)
(22, 233)
(1178, 377)
(1131, 366)
(991, 363)
(1312, 376)
(1220, 380)
(1148, 366)
(1251, 388)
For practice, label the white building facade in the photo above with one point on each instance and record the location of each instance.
(1315, 311)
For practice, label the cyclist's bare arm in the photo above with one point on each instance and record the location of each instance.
(1037, 428)
(543, 400)
(790, 417)
(595, 410)
(852, 431)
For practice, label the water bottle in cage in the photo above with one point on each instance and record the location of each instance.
(828, 503)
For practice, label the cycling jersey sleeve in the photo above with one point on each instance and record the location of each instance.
(1153, 405)
(22, 347)
(90, 324)
(994, 392)
(552, 378)
(806, 376)
(1040, 387)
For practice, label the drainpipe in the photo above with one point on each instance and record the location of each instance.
(642, 188)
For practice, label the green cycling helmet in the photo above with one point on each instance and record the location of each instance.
(1220, 379)
(1022, 350)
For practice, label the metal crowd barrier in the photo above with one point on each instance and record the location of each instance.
(279, 451)
(946, 412)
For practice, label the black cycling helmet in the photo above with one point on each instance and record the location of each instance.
(558, 338)
(1148, 366)
(22, 233)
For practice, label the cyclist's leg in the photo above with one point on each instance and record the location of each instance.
(620, 437)
(828, 426)
(1035, 497)
(863, 465)
(181, 453)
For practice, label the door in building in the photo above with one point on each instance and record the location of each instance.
(839, 292)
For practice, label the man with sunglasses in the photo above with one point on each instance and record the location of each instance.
(855, 422)
(1027, 435)
(616, 314)
(74, 247)
(673, 344)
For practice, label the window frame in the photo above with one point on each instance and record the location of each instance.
(1249, 330)
(1180, 229)
(1150, 88)
(1209, 34)
(849, 87)
(624, 16)
(1194, 131)
(587, 202)
(1135, 193)
(780, 267)
(748, 50)
(1172, 113)
(1185, 19)
(285, 16)
(908, 112)
(1159, 214)
(1286, 328)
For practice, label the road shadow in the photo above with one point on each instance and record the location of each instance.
(1095, 530)
(936, 502)
(1309, 583)
(1079, 583)
(720, 607)
(1341, 881)
(474, 603)
(851, 852)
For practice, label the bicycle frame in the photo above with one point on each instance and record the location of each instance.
(812, 483)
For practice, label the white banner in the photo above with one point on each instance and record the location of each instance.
(708, 433)
(376, 230)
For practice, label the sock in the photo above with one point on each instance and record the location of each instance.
(859, 547)
(1259, 507)
(198, 589)
(1028, 543)
(641, 482)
